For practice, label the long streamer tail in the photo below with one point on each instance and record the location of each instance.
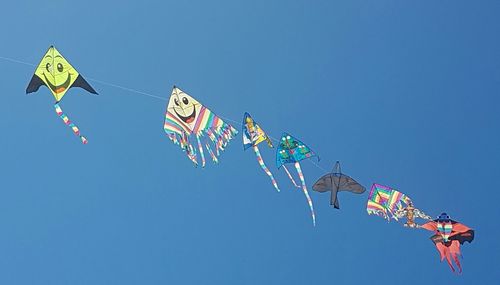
(264, 167)
(66, 120)
(455, 253)
(304, 188)
(290, 176)
(457, 262)
(212, 154)
(200, 148)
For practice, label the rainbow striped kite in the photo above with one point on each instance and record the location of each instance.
(186, 117)
(385, 201)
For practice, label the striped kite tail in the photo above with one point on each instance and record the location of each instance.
(304, 188)
(66, 120)
(264, 167)
(290, 176)
(200, 148)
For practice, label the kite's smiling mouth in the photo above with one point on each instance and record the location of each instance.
(189, 119)
(61, 88)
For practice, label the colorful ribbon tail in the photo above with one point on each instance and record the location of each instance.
(290, 176)
(67, 121)
(200, 148)
(212, 154)
(306, 193)
(264, 167)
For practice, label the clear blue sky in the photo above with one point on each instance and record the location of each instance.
(403, 93)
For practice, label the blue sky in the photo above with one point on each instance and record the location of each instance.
(403, 93)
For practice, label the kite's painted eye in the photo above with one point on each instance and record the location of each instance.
(48, 67)
(60, 67)
(185, 100)
(176, 101)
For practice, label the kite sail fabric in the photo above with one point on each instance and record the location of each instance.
(385, 201)
(448, 236)
(337, 181)
(252, 136)
(186, 120)
(253, 133)
(291, 150)
(55, 72)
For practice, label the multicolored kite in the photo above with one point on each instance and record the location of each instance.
(448, 236)
(252, 136)
(55, 72)
(186, 117)
(389, 203)
(337, 181)
(291, 150)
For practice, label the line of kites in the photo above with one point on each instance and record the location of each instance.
(195, 129)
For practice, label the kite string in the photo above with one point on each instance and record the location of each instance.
(127, 89)
(16, 61)
(95, 80)
(145, 94)
(317, 165)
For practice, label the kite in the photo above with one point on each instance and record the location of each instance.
(389, 203)
(252, 136)
(337, 181)
(448, 236)
(291, 150)
(187, 119)
(55, 72)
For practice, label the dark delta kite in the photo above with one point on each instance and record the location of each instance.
(55, 72)
(337, 181)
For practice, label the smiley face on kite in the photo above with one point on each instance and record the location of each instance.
(58, 70)
(55, 72)
(184, 107)
(187, 122)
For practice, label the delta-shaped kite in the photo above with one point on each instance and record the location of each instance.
(188, 121)
(253, 135)
(55, 72)
(292, 150)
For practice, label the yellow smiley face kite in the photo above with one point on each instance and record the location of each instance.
(55, 72)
